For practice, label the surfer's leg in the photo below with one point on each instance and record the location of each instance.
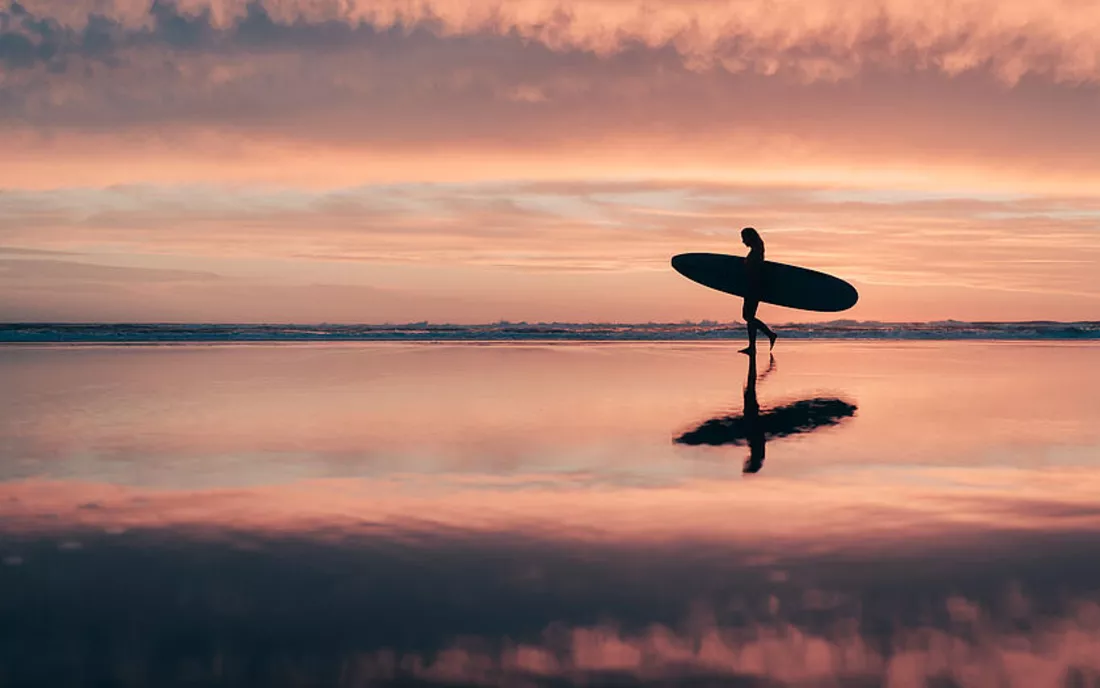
(772, 336)
(748, 313)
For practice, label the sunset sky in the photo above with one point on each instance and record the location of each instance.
(393, 161)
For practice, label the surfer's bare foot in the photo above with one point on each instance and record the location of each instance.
(748, 351)
(771, 338)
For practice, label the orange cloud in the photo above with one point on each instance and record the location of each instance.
(532, 251)
(744, 112)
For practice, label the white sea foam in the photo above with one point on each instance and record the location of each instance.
(837, 329)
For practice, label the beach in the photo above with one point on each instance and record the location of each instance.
(532, 513)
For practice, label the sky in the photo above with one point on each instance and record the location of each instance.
(533, 160)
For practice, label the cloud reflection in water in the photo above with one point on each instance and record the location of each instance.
(516, 515)
(438, 605)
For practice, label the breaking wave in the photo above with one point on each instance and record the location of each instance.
(522, 331)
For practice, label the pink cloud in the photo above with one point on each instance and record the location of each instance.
(758, 85)
(532, 251)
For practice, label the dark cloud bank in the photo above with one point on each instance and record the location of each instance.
(418, 80)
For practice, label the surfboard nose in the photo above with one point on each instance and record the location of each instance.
(682, 262)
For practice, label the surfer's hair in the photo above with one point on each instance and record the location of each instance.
(751, 237)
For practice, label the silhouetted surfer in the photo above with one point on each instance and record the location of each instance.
(754, 266)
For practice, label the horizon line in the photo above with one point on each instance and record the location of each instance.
(523, 323)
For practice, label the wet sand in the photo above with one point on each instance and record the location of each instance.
(873, 513)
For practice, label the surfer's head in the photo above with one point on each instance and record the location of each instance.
(751, 237)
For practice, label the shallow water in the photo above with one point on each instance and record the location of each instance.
(902, 514)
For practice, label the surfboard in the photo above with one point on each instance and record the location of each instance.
(782, 284)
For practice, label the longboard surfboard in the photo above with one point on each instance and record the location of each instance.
(781, 284)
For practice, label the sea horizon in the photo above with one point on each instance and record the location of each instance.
(705, 330)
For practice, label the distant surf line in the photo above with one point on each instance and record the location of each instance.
(105, 333)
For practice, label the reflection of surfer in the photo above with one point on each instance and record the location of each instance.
(754, 429)
(754, 266)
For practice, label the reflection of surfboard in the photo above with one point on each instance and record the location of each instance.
(783, 285)
(802, 416)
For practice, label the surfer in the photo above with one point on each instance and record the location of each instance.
(754, 265)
